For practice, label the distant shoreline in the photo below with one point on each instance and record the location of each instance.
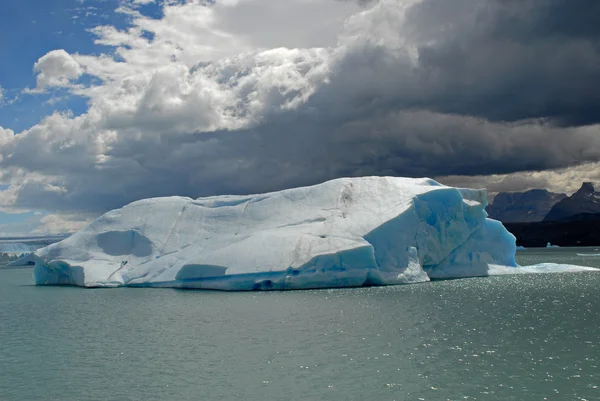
(33, 238)
(561, 233)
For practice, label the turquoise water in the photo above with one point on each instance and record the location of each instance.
(528, 337)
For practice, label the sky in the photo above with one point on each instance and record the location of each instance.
(104, 102)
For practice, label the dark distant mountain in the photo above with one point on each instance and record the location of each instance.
(583, 203)
(523, 207)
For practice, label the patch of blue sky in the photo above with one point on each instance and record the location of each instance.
(30, 109)
(152, 10)
(149, 36)
(31, 28)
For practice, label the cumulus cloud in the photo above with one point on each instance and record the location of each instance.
(56, 69)
(58, 224)
(203, 102)
(6, 136)
(42, 224)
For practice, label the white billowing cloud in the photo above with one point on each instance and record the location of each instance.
(206, 101)
(43, 224)
(59, 224)
(20, 182)
(268, 24)
(191, 32)
(6, 136)
(1, 95)
(56, 69)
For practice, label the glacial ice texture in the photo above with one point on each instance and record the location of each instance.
(19, 251)
(342, 233)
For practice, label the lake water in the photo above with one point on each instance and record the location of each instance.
(528, 337)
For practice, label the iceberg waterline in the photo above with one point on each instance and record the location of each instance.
(346, 232)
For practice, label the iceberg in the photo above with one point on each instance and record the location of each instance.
(23, 260)
(25, 245)
(17, 252)
(346, 232)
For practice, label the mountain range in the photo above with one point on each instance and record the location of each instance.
(537, 217)
(523, 207)
(584, 202)
(541, 205)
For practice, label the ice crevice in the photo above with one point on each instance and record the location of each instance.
(174, 226)
(346, 232)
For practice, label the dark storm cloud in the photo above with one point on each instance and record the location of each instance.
(511, 60)
(296, 151)
(440, 88)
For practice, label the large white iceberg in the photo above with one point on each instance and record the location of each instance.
(342, 233)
